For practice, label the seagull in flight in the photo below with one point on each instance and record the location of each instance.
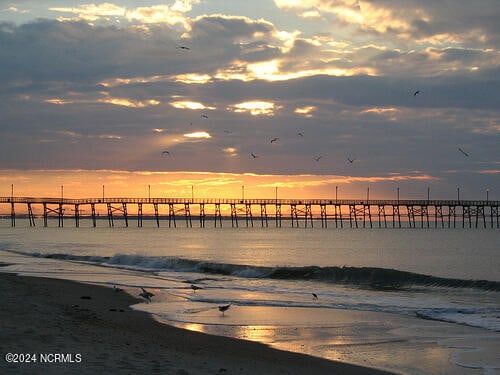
(165, 152)
(274, 140)
(300, 134)
(350, 160)
(204, 116)
(183, 47)
(416, 93)
(224, 308)
(317, 158)
(254, 156)
(146, 295)
(315, 296)
(463, 152)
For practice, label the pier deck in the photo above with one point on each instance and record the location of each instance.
(353, 213)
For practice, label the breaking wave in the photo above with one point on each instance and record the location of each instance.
(371, 277)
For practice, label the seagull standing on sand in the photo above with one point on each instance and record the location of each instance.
(146, 295)
(224, 308)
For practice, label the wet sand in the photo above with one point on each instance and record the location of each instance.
(97, 332)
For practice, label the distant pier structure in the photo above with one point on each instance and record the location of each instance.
(351, 213)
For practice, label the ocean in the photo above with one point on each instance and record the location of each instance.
(429, 297)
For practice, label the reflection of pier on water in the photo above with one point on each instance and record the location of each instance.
(339, 213)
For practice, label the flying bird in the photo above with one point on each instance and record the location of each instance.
(274, 140)
(254, 156)
(463, 152)
(416, 93)
(146, 295)
(317, 158)
(315, 296)
(165, 153)
(204, 116)
(300, 134)
(183, 47)
(350, 160)
(224, 308)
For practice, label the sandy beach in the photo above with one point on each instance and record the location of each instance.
(95, 330)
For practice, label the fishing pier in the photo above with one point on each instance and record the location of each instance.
(326, 213)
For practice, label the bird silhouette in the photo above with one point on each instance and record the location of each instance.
(463, 152)
(300, 134)
(195, 288)
(274, 140)
(204, 116)
(146, 295)
(254, 156)
(184, 47)
(315, 296)
(165, 153)
(224, 308)
(416, 93)
(317, 158)
(350, 160)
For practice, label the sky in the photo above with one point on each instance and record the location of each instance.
(233, 98)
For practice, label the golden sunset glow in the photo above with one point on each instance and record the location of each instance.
(348, 92)
(198, 135)
(255, 108)
(189, 105)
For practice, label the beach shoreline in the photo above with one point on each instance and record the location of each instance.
(93, 330)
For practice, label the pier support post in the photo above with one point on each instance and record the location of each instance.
(61, 215)
(263, 215)
(352, 215)
(31, 217)
(139, 215)
(125, 214)
(77, 216)
(45, 215)
(171, 215)
(218, 215)
(381, 213)
(277, 208)
(308, 215)
(12, 215)
(202, 215)
(187, 214)
(110, 215)
(294, 215)
(94, 219)
(234, 217)
(248, 214)
(323, 215)
(157, 214)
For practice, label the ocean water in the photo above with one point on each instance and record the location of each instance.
(379, 291)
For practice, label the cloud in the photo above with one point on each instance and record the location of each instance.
(255, 108)
(185, 104)
(198, 135)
